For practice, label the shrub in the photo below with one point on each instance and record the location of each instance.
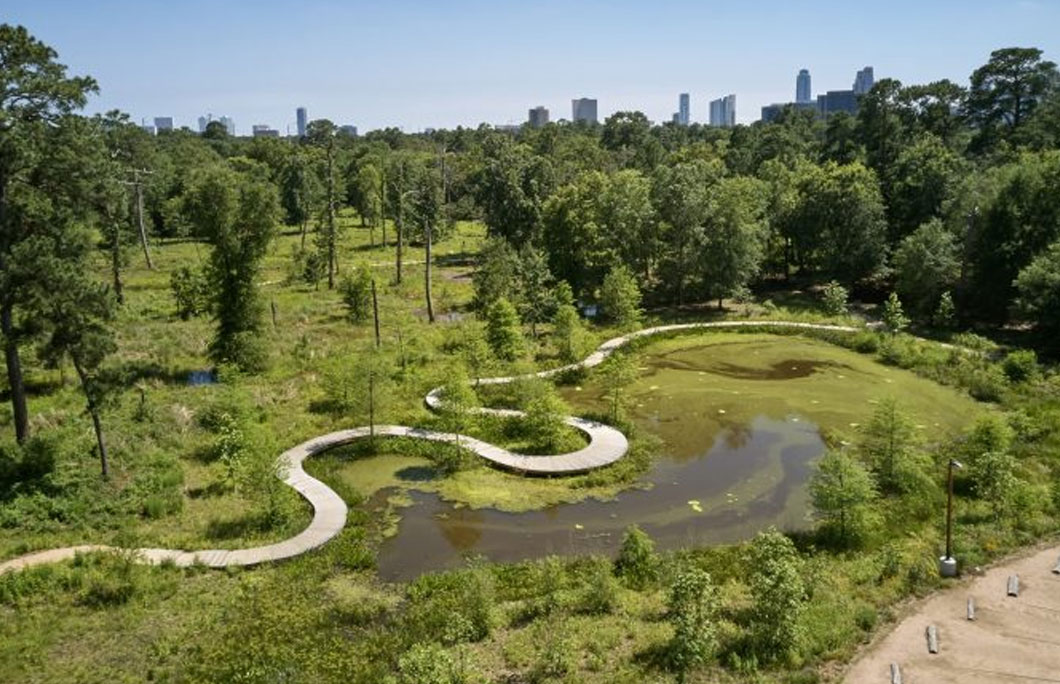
(601, 589)
(894, 317)
(637, 563)
(425, 664)
(778, 596)
(555, 655)
(189, 292)
(692, 609)
(1020, 365)
(503, 331)
(356, 292)
(620, 298)
(835, 299)
(457, 605)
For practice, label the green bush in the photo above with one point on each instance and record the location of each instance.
(637, 562)
(1020, 365)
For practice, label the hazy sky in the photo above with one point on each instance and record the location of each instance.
(443, 63)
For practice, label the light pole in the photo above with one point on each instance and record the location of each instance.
(948, 564)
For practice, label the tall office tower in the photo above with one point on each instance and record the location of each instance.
(583, 109)
(802, 87)
(538, 117)
(163, 123)
(684, 110)
(723, 111)
(202, 124)
(229, 124)
(348, 130)
(864, 81)
(300, 117)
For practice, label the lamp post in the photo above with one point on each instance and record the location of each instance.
(948, 564)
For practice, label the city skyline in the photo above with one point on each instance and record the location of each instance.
(516, 58)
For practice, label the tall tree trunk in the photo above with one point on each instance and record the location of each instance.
(371, 408)
(93, 410)
(375, 315)
(331, 218)
(427, 275)
(17, 386)
(140, 220)
(399, 227)
(382, 206)
(115, 264)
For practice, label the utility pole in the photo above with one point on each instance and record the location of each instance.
(948, 564)
(138, 185)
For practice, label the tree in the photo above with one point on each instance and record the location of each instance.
(1039, 293)
(921, 182)
(616, 375)
(928, 263)
(369, 182)
(993, 475)
(546, 415)
(946, 313)
(503, 331)
(778, 595)
(38, 180)
(894, 318)
(360, 387)
(568, 332)
(682, 194)
(843, 494)
(356, 291)
(620, 298)
(1006, 90)
(238, 215)
(427, 201)
(496, 274)
(836, 299)
(321, 133)
(734, 238)
(511, 189)
(888, 443)
(637, 562)
(535, 300)
(692, 608)
(299, 190)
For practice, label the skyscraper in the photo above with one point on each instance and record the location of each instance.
(583, 109)
(864, 81)
(163, 123)
(723, 111)
(538, 117)
(300, 117)
(684, 110)
(803, 92)
(203, 120)
(229, 124)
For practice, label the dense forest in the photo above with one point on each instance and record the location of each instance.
(935, 209)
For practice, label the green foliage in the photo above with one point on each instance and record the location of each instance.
(546, 415)
(836, 299)
(600, 596)
(894, 318)
(844, 495)
(359, 386)
(993, 476)
(620, 371)
(356, 292)
(928, 265)
(692, 611)
(620, 298)
(459, 606)
(1021, 365)
(888, 443)
(568, 332)
(189, 292)
(1039, 292)
(946, 313)
(778, 596)
(503, 331)
(637, 564)
(425, 664)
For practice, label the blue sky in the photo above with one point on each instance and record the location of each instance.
(444, 63)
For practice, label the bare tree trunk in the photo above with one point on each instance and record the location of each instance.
(115, 264)
(331, 217)
(427, 275)
(382, 205)
(375, 314)
(399, 227)
(140, 220)
(371, 407)
(93, 410)
(19, 410)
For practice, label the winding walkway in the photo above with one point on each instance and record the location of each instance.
(606, 445)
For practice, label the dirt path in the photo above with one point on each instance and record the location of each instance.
(1011, 639)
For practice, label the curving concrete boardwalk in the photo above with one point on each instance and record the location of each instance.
(606, 445)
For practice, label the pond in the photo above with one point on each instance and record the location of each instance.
(741, 419)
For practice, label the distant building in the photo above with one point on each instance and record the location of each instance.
(264, 131)
(864, 81)
(300, 117)
(583, 109)
(676, 118)
(163, 123)
(837, 101)
(684, 109)
(723, 111)
(148, 128)
(803, 92)
(538, 117)
(349, 130)
(505, 128)
(771, 112)
(203, 120)
(229, 124)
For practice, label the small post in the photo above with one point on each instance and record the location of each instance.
(272, 305)
(1013, 586)
(896, 674)
(971, 609)
(932, 639)
(1056, 570)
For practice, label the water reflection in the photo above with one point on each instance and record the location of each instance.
(752, 475)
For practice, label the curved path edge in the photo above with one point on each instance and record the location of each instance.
(606, 445)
